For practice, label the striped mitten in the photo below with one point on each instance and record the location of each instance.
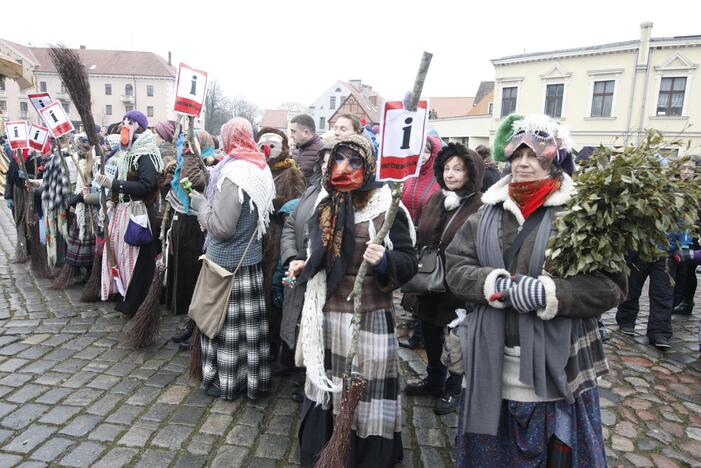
(527, 294)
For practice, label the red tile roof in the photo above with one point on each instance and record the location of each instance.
(274, 118)
(447, 107)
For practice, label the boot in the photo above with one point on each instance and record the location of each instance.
(683, 308)
(185, 333)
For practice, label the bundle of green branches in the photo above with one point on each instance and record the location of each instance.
(625, 202)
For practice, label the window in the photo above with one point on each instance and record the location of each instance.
(602, 100)
(3, 106)
(2, 83)
(491, 108)
(671, 97)
(42, 86)
(128, 108)
(149, 90)
(66, 106)
(553, 99)
(23, 110)
(108, 109)
(149, 111)
(128, 90)
(322, 123)
(332, 102)
(338, 90)
(108, 89)
(508, 100)
(63, 89)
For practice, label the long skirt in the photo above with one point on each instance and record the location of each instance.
(237, 360)
(80, 252)
(525, 432)
(186, 243)
(376, 439)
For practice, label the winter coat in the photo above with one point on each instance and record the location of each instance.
(582, 297)
(491, 175)
(418, 190)
(293, 247)
(307, 154)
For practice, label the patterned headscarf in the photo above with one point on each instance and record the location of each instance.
(165, 130)
(332, 227)
(237, 135)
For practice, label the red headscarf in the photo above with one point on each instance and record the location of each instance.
(418, 190)
(237, 135)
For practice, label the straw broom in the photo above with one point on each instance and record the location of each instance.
(335, 453)
(75, 79)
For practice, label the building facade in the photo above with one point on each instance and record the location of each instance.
(120, 81)
(353, 94)
(608, 94)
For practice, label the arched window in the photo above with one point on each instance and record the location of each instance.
(338, 90)
(128, 90)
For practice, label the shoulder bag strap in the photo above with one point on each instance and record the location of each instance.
(531, 223)
(250, 241)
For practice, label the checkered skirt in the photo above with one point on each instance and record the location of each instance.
(80, 252)
(379, 410)
(237, 360)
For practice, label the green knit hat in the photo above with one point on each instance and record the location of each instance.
(503, 135)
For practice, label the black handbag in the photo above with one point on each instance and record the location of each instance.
(430, 277)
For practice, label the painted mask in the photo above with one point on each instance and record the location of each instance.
(270, 144)
(347, 170)
(126, 135)
(544, 145)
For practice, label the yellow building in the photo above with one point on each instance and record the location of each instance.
(608, 93)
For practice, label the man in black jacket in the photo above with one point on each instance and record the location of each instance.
(307, 143)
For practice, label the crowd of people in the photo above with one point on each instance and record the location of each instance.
(261, 237)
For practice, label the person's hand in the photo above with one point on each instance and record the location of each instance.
(683, 255)
(374, 253)
(197, 201)
(110, 207)
(86, 190)
(526, 295)
(10, 204)
(170, 167)
(21, 174)
(33, 183)
(103, 180)
(295, 268)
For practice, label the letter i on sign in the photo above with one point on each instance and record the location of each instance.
(406, 132)
(16, 134)
(193, 86)
(53, 116)
(36, 134)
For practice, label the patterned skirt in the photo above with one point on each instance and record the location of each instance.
(80, 252)
(377, 423)
(526, 430)
(237, 360)
(125, 254)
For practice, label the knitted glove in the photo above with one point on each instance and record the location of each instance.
(197, 201)
(502, 283)
(683, 255)
(10, 204)
(104, 180)
(526, 295)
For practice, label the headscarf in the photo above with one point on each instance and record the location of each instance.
(165, 130)
(237, 135)
(332, 227)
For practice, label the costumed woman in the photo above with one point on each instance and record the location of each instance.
(531, 347)
(235, 215)
(459, 172)
(339, 240)
(135, 182)
(289, 184)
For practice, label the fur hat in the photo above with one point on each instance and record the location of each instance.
(473, 162)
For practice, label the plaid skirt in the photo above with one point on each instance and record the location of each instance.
(80, 253)
(379, 412)
(237, 360)
(526, 430)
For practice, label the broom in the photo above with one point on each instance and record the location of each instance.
(335, 453)
(20, 214)
(91, 291)
(195, 369)
(147, 320)
(75, 79)
(37, 252)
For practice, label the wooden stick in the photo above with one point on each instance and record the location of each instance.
(396, 188)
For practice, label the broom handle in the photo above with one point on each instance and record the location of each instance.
(396, 188)
(83, 177)
(23, 166)
(111, 259)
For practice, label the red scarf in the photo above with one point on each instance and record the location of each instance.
(529, 196)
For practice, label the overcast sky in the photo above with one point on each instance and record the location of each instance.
(276, 51)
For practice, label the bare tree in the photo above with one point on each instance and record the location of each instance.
(243, 108)
(218, 109)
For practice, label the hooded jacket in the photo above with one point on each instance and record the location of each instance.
(418, 190)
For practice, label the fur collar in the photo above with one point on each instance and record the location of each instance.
(499, 193)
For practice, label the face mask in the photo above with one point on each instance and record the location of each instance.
(125, 136)
(347, 172)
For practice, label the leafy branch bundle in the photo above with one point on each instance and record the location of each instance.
(625, 202)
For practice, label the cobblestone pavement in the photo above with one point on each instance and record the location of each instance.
(73, 394)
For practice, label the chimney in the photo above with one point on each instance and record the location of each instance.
(644, 49)
(356, 84)
(82, 47)
(169, 58)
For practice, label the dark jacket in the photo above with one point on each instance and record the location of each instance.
(307, 154)
(491, 175)
(578, 297)
(293, 247)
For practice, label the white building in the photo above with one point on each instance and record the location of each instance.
(120, 81)
(326, 105)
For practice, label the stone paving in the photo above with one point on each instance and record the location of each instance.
(73, 394)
